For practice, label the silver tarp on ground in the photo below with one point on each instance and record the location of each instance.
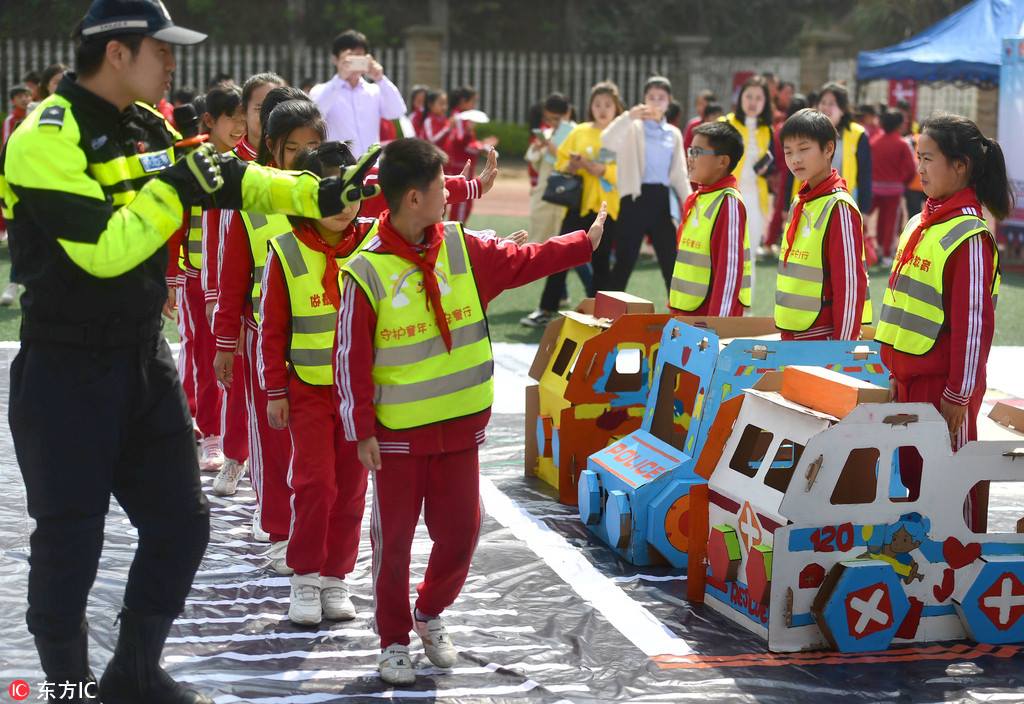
(547, 615)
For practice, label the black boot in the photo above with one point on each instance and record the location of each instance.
(134, 674)
(66, 665)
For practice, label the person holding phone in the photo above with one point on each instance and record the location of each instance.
(352, 106)
(651, 171)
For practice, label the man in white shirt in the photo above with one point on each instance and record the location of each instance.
(352, 106)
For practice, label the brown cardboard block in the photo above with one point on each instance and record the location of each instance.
(530, 429)
(613, 304)
(1009, 413)
(728, 328)
(827, 391)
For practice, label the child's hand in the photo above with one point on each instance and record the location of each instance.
(171, 303)
(369, 453)
(210, 305)
(223, 365)
(518, 238)
(490, 172)
(639, 112)
(277, 413)
(596, 230)
(954, 416)
(467, 170)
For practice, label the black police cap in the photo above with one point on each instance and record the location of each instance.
(146, 17)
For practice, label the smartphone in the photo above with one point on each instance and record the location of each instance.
(359, 64)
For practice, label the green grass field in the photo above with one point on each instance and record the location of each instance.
(505, 312)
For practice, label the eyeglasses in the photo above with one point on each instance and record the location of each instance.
(697, 152)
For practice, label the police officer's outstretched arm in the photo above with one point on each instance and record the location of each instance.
(48, 180)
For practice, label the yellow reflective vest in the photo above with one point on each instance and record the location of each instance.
(417, 380)
(912, 309)
(763, 137)
(191, 254)
(692, 275)
(261, 229)
(313, 319)
(800, 282)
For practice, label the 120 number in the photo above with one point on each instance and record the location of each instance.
(831, 538)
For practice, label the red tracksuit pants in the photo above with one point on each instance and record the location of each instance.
(446, 487)
(328, 485)
(235, 420)
(928, 389)
(269, 450)
(203, 347)
(888, 208)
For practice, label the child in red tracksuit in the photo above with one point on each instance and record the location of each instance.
(290, 123)
(435, 124)
(461, 144)
(413, 373)
(724, 291)
(948, 257)
(892, 168)
(822, 282)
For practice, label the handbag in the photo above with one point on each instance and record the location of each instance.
(564, 189)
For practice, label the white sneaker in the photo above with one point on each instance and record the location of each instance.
(337, 604)
(10, 293)
(304, 607)
(226, 481)
(436, 642)
(395, 665)
(211, 457)
(258, 534)
(278, 555)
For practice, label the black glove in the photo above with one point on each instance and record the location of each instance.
(338, 192)
(195, 176)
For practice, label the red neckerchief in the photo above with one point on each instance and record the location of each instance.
(934, 211)
(309, 236)
(246, 150)
(806, 194)
(17, 116)
(727, 182)
(424, 257)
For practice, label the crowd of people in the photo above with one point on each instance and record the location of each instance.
(324, 348)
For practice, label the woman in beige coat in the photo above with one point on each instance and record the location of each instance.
(651, 171)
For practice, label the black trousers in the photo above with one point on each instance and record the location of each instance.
(554, 285)
(648, 214)
(89, 423)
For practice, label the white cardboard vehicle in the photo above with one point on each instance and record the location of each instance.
(812, 544)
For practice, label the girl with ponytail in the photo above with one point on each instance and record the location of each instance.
(938, 313)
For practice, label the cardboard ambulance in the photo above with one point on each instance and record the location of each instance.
(811, 544)
(635, 493)
(593, 369)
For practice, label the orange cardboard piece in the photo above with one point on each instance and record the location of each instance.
(614, 304)
(530, 429)
(1009, 413)
(696, 573)
(717, 437)
(826, 391)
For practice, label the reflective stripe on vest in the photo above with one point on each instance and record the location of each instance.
(800, 282)
(763, 137)
(191, 254)
(122, 177)
(692, 275)
(913, 313)
(313, 319)
(417, 380)
(261, 229)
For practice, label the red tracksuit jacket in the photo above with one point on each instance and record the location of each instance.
(726, 263)
(961, 351)
(497, 265)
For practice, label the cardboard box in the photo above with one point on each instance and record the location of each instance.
(1009, 413)
(829, 391)
(613, 304)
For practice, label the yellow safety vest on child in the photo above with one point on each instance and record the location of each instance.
(191, 253)
(311, 346)
(418, 380)
(801, 279)
(692, 275)
(912, 310)
(261, 229)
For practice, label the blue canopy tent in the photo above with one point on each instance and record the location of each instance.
(966, 46)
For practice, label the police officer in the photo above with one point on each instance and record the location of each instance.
(93, 187)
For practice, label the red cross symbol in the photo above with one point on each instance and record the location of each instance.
(1003, 602)
(868, 610)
